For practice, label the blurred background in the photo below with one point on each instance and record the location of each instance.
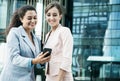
(95, 26)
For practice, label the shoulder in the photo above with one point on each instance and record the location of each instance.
(17, 30)
(14, 30)
(64, 29)
(65, 32)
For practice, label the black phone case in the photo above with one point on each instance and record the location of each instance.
(49, 51)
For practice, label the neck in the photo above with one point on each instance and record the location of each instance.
(54, 28)
(28, 32)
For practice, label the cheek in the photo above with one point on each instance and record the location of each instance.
(25, 21)
(47, 19)
(35, 22)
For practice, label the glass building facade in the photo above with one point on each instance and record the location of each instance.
(96, 33)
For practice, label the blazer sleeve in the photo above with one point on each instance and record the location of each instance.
(67, 50)
(14, 50)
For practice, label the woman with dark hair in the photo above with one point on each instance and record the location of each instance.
(60, 40)
(23, 47)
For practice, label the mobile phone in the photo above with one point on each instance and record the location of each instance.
(49, 50)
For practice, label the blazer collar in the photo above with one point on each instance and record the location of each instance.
(27, 40)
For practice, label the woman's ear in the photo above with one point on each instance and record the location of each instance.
(60, 16)
(21, 19)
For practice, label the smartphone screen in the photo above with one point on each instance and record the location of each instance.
(49, 51)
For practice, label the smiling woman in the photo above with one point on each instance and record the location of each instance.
(59, 67)
(23, 47)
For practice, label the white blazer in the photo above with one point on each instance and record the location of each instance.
(61, 42)
(20, 52)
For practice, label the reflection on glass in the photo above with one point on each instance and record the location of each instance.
(112, 42)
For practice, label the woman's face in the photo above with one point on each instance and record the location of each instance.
(53, 17)
(29, 20)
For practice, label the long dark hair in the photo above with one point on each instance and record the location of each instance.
(19, 13)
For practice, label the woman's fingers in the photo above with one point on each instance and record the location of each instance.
(46, 59)
(43, 54)
(42, 59)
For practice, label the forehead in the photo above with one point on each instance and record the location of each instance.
(53, 10)
(30, 13)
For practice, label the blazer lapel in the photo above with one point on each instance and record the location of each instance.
(37, 45)
(27, 40)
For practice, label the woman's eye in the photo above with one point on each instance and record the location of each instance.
(54, 15)
(29, 18)
(48, 14)
(35, 17)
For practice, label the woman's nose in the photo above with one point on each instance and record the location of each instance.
(51, 17)
(33, 20)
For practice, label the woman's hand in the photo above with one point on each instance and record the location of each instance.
(61, 75)
(41, 59)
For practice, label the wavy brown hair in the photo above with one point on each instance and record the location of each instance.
(19, 13)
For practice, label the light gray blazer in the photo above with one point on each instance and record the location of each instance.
(19, 53)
